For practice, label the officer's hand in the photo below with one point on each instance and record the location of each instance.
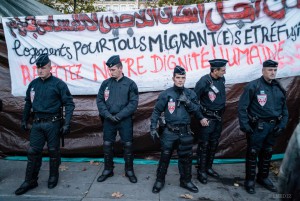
(184, 99)
(204, 122)
(24, 126)
(277, 131)
(117, 119)
(154, 134)
(113, 118)
(65, 129)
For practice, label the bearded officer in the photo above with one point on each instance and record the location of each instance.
(263, 116)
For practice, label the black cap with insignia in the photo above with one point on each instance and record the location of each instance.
(270, 63)
(217, 63)
(179, 70)
(113, 60)
(42, 60)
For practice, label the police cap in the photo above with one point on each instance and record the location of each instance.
(179, 70)
(42, 60)
(270, 63)
(217, 63)
(113, 60)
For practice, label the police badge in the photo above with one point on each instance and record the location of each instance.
(212, 96)
(171, 106)
(262, 98)
(106, 94)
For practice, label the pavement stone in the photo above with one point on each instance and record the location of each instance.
(78, 182)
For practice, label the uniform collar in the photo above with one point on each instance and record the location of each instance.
(49, 78)
(119, 79)
(269, 83)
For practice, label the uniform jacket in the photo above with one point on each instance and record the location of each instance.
(263, 100)
(174, 112)
(45, 97)
(208, 98)
(118, 98)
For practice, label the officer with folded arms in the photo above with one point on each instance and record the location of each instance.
(263, 116)
(177, 103)
(117, 100)
(210, 90)
(45, 96)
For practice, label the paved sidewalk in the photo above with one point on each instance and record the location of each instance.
(78, 182)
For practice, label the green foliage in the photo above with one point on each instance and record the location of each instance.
(67, 6)
(162, 3)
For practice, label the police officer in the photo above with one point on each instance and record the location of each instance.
(210, 90)
(263, 115)
(117, 100)
(177, 103)
(45, 96)
(289, 175)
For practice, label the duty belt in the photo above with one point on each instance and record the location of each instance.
(213, 113)
(47, 119)
(179, 128)
(269, 120)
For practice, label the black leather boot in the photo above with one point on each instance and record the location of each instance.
(108, 161)
(162, 171)
(212, 148)
(54, 163)
(264, 160)
(128, 158)
(32, 170)
(201, 162)
(251, 162)
(185, 170)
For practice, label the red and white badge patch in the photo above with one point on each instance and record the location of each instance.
(262, 99)
(171, 106)
(32, 93)
(212, 96)
(106, 94)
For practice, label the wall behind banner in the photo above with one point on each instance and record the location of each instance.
(85, 138)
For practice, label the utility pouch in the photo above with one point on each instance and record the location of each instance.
(260, 125)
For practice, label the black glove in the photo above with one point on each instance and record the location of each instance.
(248, 130)
(277, 131)
(184, 99)
(154, 135)
(113, 118)
(24, 126)
(65, 129)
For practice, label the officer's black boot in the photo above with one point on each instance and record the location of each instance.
(108, 161)
(128, 157)
(185, 170)
(54, 163)
(32, 171)
(250, 170)
(201, 162)
(213, 145)
(162, 171)
(264, 160)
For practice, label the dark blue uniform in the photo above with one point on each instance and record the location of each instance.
(117, 100)
(176, 134)
(263, 115)
(211, 93)
(212, 106)
(45, 98)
